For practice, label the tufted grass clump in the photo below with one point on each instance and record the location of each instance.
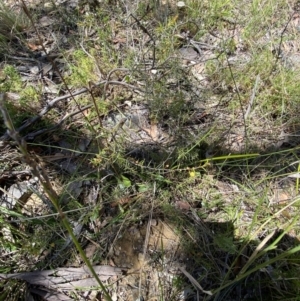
(13, 22)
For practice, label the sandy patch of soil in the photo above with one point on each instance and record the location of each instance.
(149, 272)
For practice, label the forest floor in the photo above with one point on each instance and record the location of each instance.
(165, 134)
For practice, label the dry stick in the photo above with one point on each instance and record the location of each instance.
(108, 78)
(40, 173)
(144, 29)
(278, 52)
(91, 85)
(124, 84)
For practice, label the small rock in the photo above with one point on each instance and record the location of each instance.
(153, 222)
(34, 70)
(18, 192)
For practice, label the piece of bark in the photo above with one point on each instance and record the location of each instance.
(66, 278)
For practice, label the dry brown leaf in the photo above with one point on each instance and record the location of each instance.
(182, 205)
(33, 47)
(153, 132)
(119, 40)
(239, 264)
(281, 196)
(86, 112)
(90, 250)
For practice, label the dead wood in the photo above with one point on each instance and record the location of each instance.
(66, 278)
